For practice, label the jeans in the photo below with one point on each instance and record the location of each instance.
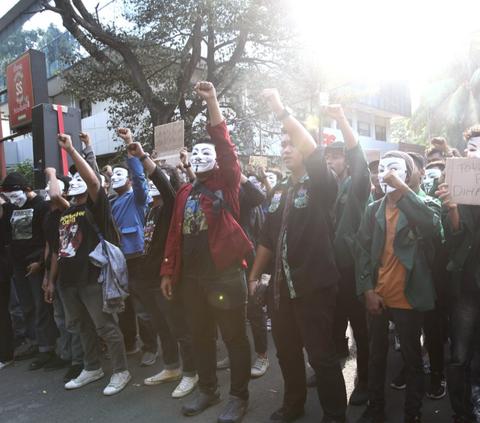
(83, 312)
(170, 322)
(38, 314)
(18, 321)
(258, 322)
(207, 302)
(465, 325)
(408, 324)
(6, 330)
(71, 345)
(136, 308)
(349, 307)
(307, 322)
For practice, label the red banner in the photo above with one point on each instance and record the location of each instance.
(20, 91)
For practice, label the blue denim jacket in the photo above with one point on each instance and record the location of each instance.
(129, 210)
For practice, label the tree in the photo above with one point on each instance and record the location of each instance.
(400, 131)
(451, 104)
(26, 167)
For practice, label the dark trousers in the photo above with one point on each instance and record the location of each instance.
(432, 328)
(349, 307)
(38, 314)
(221, 300)
(6, 329)
(307, 322)
(18, 320)
(170, 322)
(258, 322)
(465, 328)
(408, 324)
(136, 308)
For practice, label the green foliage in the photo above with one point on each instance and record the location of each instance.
(400, 131)
(26, 167)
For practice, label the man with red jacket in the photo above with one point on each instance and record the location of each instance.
(205, 256)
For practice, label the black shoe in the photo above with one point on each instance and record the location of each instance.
(312, 381)
(236, 409)
(42, 359)
(18, 342)
(359, 395)
(438, 386)
(286, 415)
(56, 364)
(200, 402)
(400, 382)
(73, 372)
(30, 352)
(372, 415)
(412, 419)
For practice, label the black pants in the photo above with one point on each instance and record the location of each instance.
(349, 307)
(307, 322)
(408, 324)
(6, 330)
(219, 299)
(432, 327)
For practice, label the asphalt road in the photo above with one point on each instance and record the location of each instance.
(39, 397)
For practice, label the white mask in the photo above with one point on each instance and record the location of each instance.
(77, 185)
(102, 179)
(257, 183)
(473, 147)
(272, 178)
(388, 164)
(430, 176)
(152, 189)
(18, 198)
(204, 157)
(119, 177)
(47, 189)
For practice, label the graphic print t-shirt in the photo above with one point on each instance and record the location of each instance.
(196, 259)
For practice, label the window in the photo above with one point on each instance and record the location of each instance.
(85, 109)
(363, 129)
(380, 133)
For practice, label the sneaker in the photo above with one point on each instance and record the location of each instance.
(85, 377)
(30, 352)
(372, 415)
(359, 395)
(259, 367)
(118, 381)
(400, 382)
(391, 326)
(187, 385)
(200, 402)
(73, 372)
(131, 351)
(19, 342)
(148, 358)
(397, 342)
(42, 359)
(56, 364)
(438, 387)
(4, 364)
(164, 376)
(286, 415)
(269, 325)
(235, 410)
(312, 381)
(223, 364)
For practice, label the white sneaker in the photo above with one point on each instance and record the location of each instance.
(85, 377)
(117, 382)
(148, 358)
(164, 376)
(223, 364)
(260, 367)
(186, 386)
(6, 363)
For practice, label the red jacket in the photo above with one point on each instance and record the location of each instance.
(228, 243)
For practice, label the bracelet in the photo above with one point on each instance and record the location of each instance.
(144, 157)
(448, 154)
(187, 166)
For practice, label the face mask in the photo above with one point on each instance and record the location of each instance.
(204, 157)
(388, 164)
(256, 182)
(102, 179)
(152, 189)
(47, 189)
(272, 178)
(473, 147)
(77, 185)
(18, 198)
(119, 177)
(430, 176)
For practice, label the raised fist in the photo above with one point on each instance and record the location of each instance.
(272, 97)
(65, 142)
(440, 143)
(49, 171)
(85, 138)
(125, 134)
(135, 149)
(206, 90)
(184, 156)
(335, 111)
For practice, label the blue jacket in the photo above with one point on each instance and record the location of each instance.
(129, 210)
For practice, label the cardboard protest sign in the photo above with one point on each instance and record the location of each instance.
(373, 155)
(463, 179)
(259, 161)
(169, 139)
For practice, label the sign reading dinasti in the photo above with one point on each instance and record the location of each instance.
(20, 91)
(463, 178)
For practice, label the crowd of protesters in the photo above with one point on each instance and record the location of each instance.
(202, 248)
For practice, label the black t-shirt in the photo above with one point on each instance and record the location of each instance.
(196, 256)
(28, 240)
(50, 230)
(5, 259)
(469, 280)
(77, 239)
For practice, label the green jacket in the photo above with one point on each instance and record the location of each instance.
(460, 243)
(424, 215)
(353, 197)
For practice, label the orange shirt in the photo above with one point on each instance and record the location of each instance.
(392, 272)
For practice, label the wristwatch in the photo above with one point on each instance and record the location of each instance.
(144, 157)
(449, 153)
(187, 166)
(286, 112)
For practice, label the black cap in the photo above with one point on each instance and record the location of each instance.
(337, 145)
(72, 169)
(15, 181)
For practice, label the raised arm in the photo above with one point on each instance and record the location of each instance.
(88, 153)
(55, 193)
(86, 172)
(335, 111)
(207, 92)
